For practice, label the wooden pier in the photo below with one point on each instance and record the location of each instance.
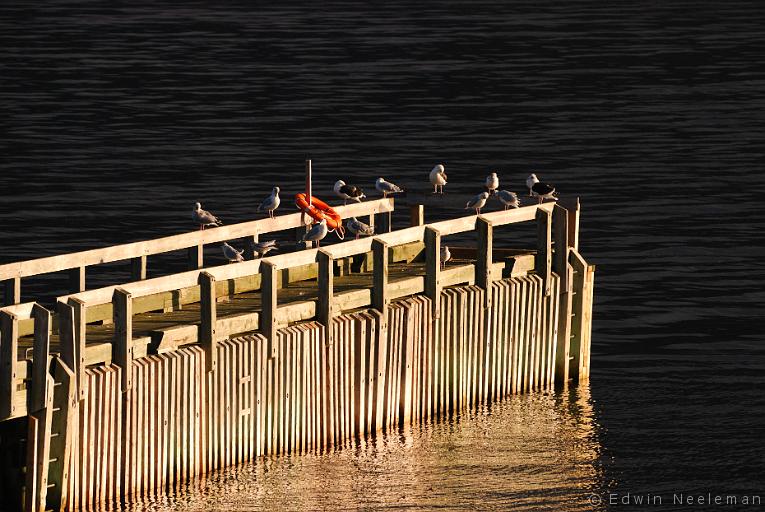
(137, 388)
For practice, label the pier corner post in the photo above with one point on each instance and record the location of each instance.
(268, 290)
(543, 260)
(79, 328)
(209, 318)
(325, 281)
(122, 346)
(41, 351)
(484, 257)
(9, 363)
(433, 268)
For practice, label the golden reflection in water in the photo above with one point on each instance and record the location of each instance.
(528, 452)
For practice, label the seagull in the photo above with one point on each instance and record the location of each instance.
(438, 178)
(347, 192)
(358, 228)
(231, 254)
(262, 248)
(445, 255)
(509, 199)
(477, 202)
(492, 183)
(386, 187)
(271, 203)
(204, 218)
(317, 233)
(540, 190)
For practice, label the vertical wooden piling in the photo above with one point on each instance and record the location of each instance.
(12, 291)
(416, 215)
(41, 352)
(196, 256)
(122, 346)
(543, 260)
(433, 268)
(9, 363)
(77, 279)
(484, 256)
(268, 291)
(138, 268)
(209, 317)
(326, 265)
(62, 427)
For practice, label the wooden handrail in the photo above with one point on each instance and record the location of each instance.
(132, 250)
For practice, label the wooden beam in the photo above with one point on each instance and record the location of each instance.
(41, 351)
(484, 257)
(416, 215)
(561, 246)
(573, 207)
(433, 268)
(9, 363)
(249, 246)
(543, 260)
(196, 256)
(209, 317)
(12, 290)
(138, 268)
(380, 276)
(122, 346)
(79, 322)
(326, 291)
(268, 290)
(77, 279)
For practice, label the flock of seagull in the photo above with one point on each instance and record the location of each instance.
(347, 193)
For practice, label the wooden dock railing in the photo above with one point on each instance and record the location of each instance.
(137, 252)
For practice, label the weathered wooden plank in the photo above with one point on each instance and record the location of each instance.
(122, 346)
(543, 260)
(62, 425)
(208, 336)
(380, 277)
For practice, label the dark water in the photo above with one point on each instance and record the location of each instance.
(116, 119)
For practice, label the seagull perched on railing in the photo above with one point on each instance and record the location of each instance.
(540, 190)
(477, 202)
(347, 192)
(271, 203)
(509, 199)
(203, 217)
(358, 228)
(445, 255)
(438, 178)
(231, 254)
(387, 187)
(317, 233)
(262, 248)
(492, 183)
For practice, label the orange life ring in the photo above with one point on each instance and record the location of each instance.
(319, 210)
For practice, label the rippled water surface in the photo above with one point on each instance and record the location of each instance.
(116, 119)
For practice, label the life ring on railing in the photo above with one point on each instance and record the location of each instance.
(318, 210)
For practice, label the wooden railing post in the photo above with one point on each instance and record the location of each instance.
(573, 225)
(209, 317)
(416, 215)
(268, 290)
(122, 346)
(9, 363)
(326, 291)
(484, 257)
(12, 291)
(249, 246)
(77, 359)
(77, 279)
(41, 352)
(380, 275)
(138, 268)
(543, 260)
(561, 246)
(386, 222)
(433, 268)
(196, 257)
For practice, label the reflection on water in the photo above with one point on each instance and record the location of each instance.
(531, 452)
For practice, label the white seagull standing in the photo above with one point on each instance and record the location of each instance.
(438, 178)
(509, 199)
(262, 248)
(203, 217)
(540, 190)
(347, 192)
(445, 255)
(317, 233)
(492, 183)
(477, 202)
(358, 228)
(386, 187)
(271, 203)
(231, 254)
